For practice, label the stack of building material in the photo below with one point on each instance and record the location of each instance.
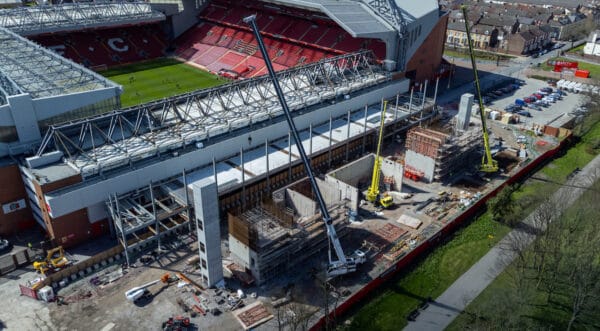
(252, 315)
(424, 141)
(409, 221)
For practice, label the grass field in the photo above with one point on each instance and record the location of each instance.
(156, 79)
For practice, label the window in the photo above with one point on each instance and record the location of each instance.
(202, 248)
(203, 263)
(200, 225)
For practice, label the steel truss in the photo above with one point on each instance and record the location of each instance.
(390, 12)
(35, 19)
(149, 213)
(42, 73)
(7, 88)
(125, 136)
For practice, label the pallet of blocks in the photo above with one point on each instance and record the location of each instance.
(252, 315)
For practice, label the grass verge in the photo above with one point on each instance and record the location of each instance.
(156, 79)
(519, 298)
(482, 55)
(429, 278)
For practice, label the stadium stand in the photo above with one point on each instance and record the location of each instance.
(107, 47)
(293, 37)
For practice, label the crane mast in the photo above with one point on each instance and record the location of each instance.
(487, 163)
(343, 264)
(373, 192)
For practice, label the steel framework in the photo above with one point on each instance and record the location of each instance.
(39, 19)
(125, 136)
(389, 11)
(40, 72)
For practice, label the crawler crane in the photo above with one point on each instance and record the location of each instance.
(487, 163)
(373, 195)
(344, 264)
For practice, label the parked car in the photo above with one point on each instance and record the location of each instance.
(524, 113)
(491, 95)
(537, 96)
(512, 108)
(5, 246)
(520, 102)
(535, 107)
(529, 99)
(546, 89)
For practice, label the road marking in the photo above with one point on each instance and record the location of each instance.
(108, 327)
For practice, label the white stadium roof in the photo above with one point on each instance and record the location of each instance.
(26, 67)
(76, 16)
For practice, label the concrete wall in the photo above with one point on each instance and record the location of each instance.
(98, 190)
(464, 111)
(347, 191)
(354, 171)
(422, 163)
(394, 169)
(240, 253)
(206, 208)
(301, 204)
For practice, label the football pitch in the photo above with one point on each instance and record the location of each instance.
(156, 79)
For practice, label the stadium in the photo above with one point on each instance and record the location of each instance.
(107, 107)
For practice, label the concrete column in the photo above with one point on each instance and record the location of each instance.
(396, 109)
(290, 156)
(364, 140)
(243, 179)
(187, 202)
(412, 90)
(267, 172)
(214, 166)
(330, 142)
(122, 232)
(156, 226)
(348, 138)
(310, 139)
(209, 235)
(437, 82)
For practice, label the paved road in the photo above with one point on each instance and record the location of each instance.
(453, 301)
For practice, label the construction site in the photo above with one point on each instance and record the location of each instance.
(273, 202)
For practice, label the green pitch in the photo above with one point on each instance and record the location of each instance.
(157, 79)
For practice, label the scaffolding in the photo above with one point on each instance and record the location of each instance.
(279, 248)
(148, 214)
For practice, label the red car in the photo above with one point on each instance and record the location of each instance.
(538, 96)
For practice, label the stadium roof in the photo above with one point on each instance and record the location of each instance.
(76, 16)
(120, 138)
(367, 18)
(355, 17)
(26, 67)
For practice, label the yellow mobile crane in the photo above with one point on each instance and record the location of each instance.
(373, 193)
(487, 163)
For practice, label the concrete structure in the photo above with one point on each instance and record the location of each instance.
(206, 211)
(464, 111)
(592, 46)
(439, 156)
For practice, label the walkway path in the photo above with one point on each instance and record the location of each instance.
(465, 289)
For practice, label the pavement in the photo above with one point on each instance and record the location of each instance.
(444, 309)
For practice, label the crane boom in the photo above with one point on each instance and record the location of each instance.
(487, 163)
(373, 192)
(344, 264)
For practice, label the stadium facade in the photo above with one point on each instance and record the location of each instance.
(71, 156)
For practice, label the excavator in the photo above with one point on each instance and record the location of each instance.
(488, 164)
(55, 260)
(373, 195)
(344, 264)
